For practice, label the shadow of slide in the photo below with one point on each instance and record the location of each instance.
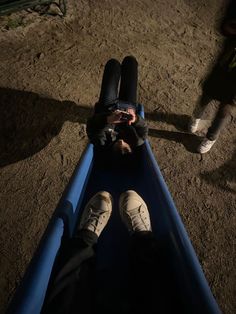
(224, 176)
(28, 122)
(190, 141)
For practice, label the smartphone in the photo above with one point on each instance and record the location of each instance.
(126, 116)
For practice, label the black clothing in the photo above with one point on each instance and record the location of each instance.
(219, 85)
(127, 74)
(229, 19)
(99, 131)
(149, 281)
(222, 117)
(104, 134)
(69, 289)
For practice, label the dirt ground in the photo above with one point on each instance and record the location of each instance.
(50, 74)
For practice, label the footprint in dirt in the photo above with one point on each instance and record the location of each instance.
(28, 122)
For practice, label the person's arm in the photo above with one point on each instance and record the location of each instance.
(141, 127)
(98, 125)
(96, 129)
(138, 123)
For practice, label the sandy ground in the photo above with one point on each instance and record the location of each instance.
(50, 74)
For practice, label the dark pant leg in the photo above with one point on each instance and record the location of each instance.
(129, 80)
(110, 82)
(201, 106)
(221, 119)
(71, 282)
(153, 289)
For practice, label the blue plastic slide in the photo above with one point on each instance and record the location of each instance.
(88, 179)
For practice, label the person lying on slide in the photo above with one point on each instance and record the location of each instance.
(115, 124)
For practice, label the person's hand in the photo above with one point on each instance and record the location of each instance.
(132, 112)
(115, 117)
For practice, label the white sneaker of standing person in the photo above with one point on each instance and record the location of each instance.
(205, 146)
(194, 125)
(134, 212)
(96, 213)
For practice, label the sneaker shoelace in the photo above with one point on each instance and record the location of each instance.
(93, 218)
(138, 222)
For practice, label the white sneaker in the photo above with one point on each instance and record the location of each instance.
(193, 125)
(96, 213)
(134, 212)
(205, 146)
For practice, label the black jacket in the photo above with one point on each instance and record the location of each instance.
(103, 134)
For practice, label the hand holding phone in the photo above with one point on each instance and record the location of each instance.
(125, 116)
(120, 116)
(115, 117)
(132, 112)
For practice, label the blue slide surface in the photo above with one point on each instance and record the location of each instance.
(146, 180)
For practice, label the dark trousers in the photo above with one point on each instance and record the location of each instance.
(220, 120)
(71, 288)
(114, 72)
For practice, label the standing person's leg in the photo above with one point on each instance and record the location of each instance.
(110, 82)
(198, 112)
(129, 80)
(221, 119)
(71, 283)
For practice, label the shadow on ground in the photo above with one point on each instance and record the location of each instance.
(224, 176)
(190, 141)
(28, 122)
(180, 122)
